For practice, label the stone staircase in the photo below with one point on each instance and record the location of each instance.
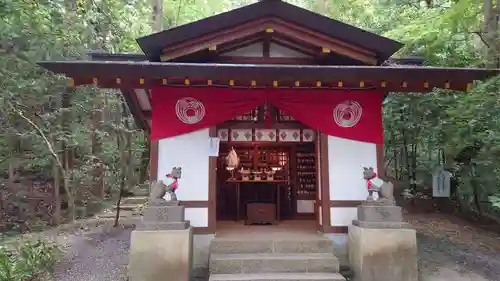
(307, 258)
(129, 208)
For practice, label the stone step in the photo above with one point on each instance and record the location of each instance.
(278, 277)
(314, 244)
(137, 200)
(141, 192)
(127, 207)
(123, 213)
(273, 263)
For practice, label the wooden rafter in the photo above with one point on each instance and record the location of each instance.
(152, 45)
(301, 47)
(146, 74)
(286, 29)
(265, 60)
(238, 44)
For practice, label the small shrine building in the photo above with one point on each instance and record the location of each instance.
(297, 95)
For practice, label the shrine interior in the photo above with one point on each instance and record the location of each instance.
(276, 177)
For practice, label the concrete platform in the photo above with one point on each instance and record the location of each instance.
(383, 254)
(160, 255)
(278, 277)
(290, 251)
(273, 263)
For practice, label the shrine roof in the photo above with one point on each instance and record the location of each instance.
(105, 56)
(144, 74)
(153, 45)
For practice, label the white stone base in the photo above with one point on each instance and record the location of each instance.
(160, 255)
(383, 254)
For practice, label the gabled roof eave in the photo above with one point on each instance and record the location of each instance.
(153, 44)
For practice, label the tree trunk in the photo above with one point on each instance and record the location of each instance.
(97, 118)
(475, 189)
(414, 165)
(126, 158)
(143, 174)
(157, 15)
(67, 161)
(491, 35)
(123, 175)
(56, 216)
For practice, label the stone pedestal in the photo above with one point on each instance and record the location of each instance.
(160, 255)
(167, 217)
(161, 246)
(380, 217)
(381, 246)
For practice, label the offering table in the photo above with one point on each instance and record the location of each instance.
(276, 184)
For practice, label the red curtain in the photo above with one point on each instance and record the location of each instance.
(178, 111)
(348, 114)
(355, 115)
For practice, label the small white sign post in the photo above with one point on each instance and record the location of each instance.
(441, 183)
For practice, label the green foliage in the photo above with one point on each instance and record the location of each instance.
(417, 127)
(422, 128)
(28, 261)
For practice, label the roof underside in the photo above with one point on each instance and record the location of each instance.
(135, 78)
(143, 74)
(153, 45)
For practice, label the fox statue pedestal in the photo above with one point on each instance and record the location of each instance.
(161, 246)
(381, 246)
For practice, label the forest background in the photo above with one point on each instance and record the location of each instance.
(84, 142)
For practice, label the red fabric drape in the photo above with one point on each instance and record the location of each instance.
(348, 114)
(353, 115)
(178, 111)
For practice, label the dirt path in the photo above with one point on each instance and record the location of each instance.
(454, 249)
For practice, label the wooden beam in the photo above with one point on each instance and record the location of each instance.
(212, 186)
(266, 47)
(134, 106)
(278, 26)
(401, 79)
(339, 49)
(324, 182)
(240, 43)
(264, 60)
(296, 45)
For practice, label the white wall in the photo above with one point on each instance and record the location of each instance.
(278, 51)
(346, 159)
(198, 217)
(190, 152)
(256, 50)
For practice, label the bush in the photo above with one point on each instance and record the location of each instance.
(28, 261)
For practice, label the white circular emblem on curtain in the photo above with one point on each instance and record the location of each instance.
(189, 110)
(347, 113)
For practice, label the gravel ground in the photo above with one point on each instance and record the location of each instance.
(441, 259)
(98, 255)
(95, 256)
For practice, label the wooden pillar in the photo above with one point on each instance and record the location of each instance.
(212, 187)
(325, 183)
